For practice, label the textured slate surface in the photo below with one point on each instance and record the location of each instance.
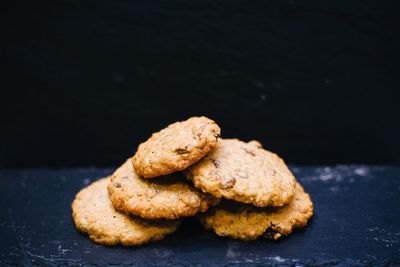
(356, 223)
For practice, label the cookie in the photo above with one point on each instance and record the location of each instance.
(168, 197)
(176, 147)
(247, 222)
(244, 172)
(94, 215)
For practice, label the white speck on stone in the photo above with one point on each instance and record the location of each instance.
(361, 171)
(338, 173)
(278, 259)
(384, 236)
(263, 97)
(295, 169)
(327, 176)
(162, 253)
(334, 189)
(231, 253)
(86, 181)
(61, 250)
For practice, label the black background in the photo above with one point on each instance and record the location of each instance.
(84, 82)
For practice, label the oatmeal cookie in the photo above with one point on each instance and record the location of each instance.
(176, 147)
(244, 172)
(167, 197)
(94, 215)
(247, 222)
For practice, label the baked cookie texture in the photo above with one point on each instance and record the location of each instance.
(94, 214)
(168, 197)
(176, 147)
(244, 172)
(246, 222)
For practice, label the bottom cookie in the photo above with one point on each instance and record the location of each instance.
(247, 222)
(94, 215)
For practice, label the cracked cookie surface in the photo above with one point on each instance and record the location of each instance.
(94, 215)
(247, 222)
(168, 197)
(176, 147)
(244, 172)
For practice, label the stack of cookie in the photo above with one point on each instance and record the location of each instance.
(237, 189)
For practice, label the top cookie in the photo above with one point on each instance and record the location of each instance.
(168, 197)
(246, 222)
(244, 172)
(176, 147)
(94, 214)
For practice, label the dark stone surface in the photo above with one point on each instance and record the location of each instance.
(356, 223)
(99, 76)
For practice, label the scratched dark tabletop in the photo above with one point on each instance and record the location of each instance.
(356, 223)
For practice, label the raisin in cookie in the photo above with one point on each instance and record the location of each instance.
(167, 197)
(176, 147)
(244, 172)
(94, 215)
(247, 222)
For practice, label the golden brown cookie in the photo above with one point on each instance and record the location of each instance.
(176, 147)
(247, 222)
(244, 172)
(168, 197)
(94, 214)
